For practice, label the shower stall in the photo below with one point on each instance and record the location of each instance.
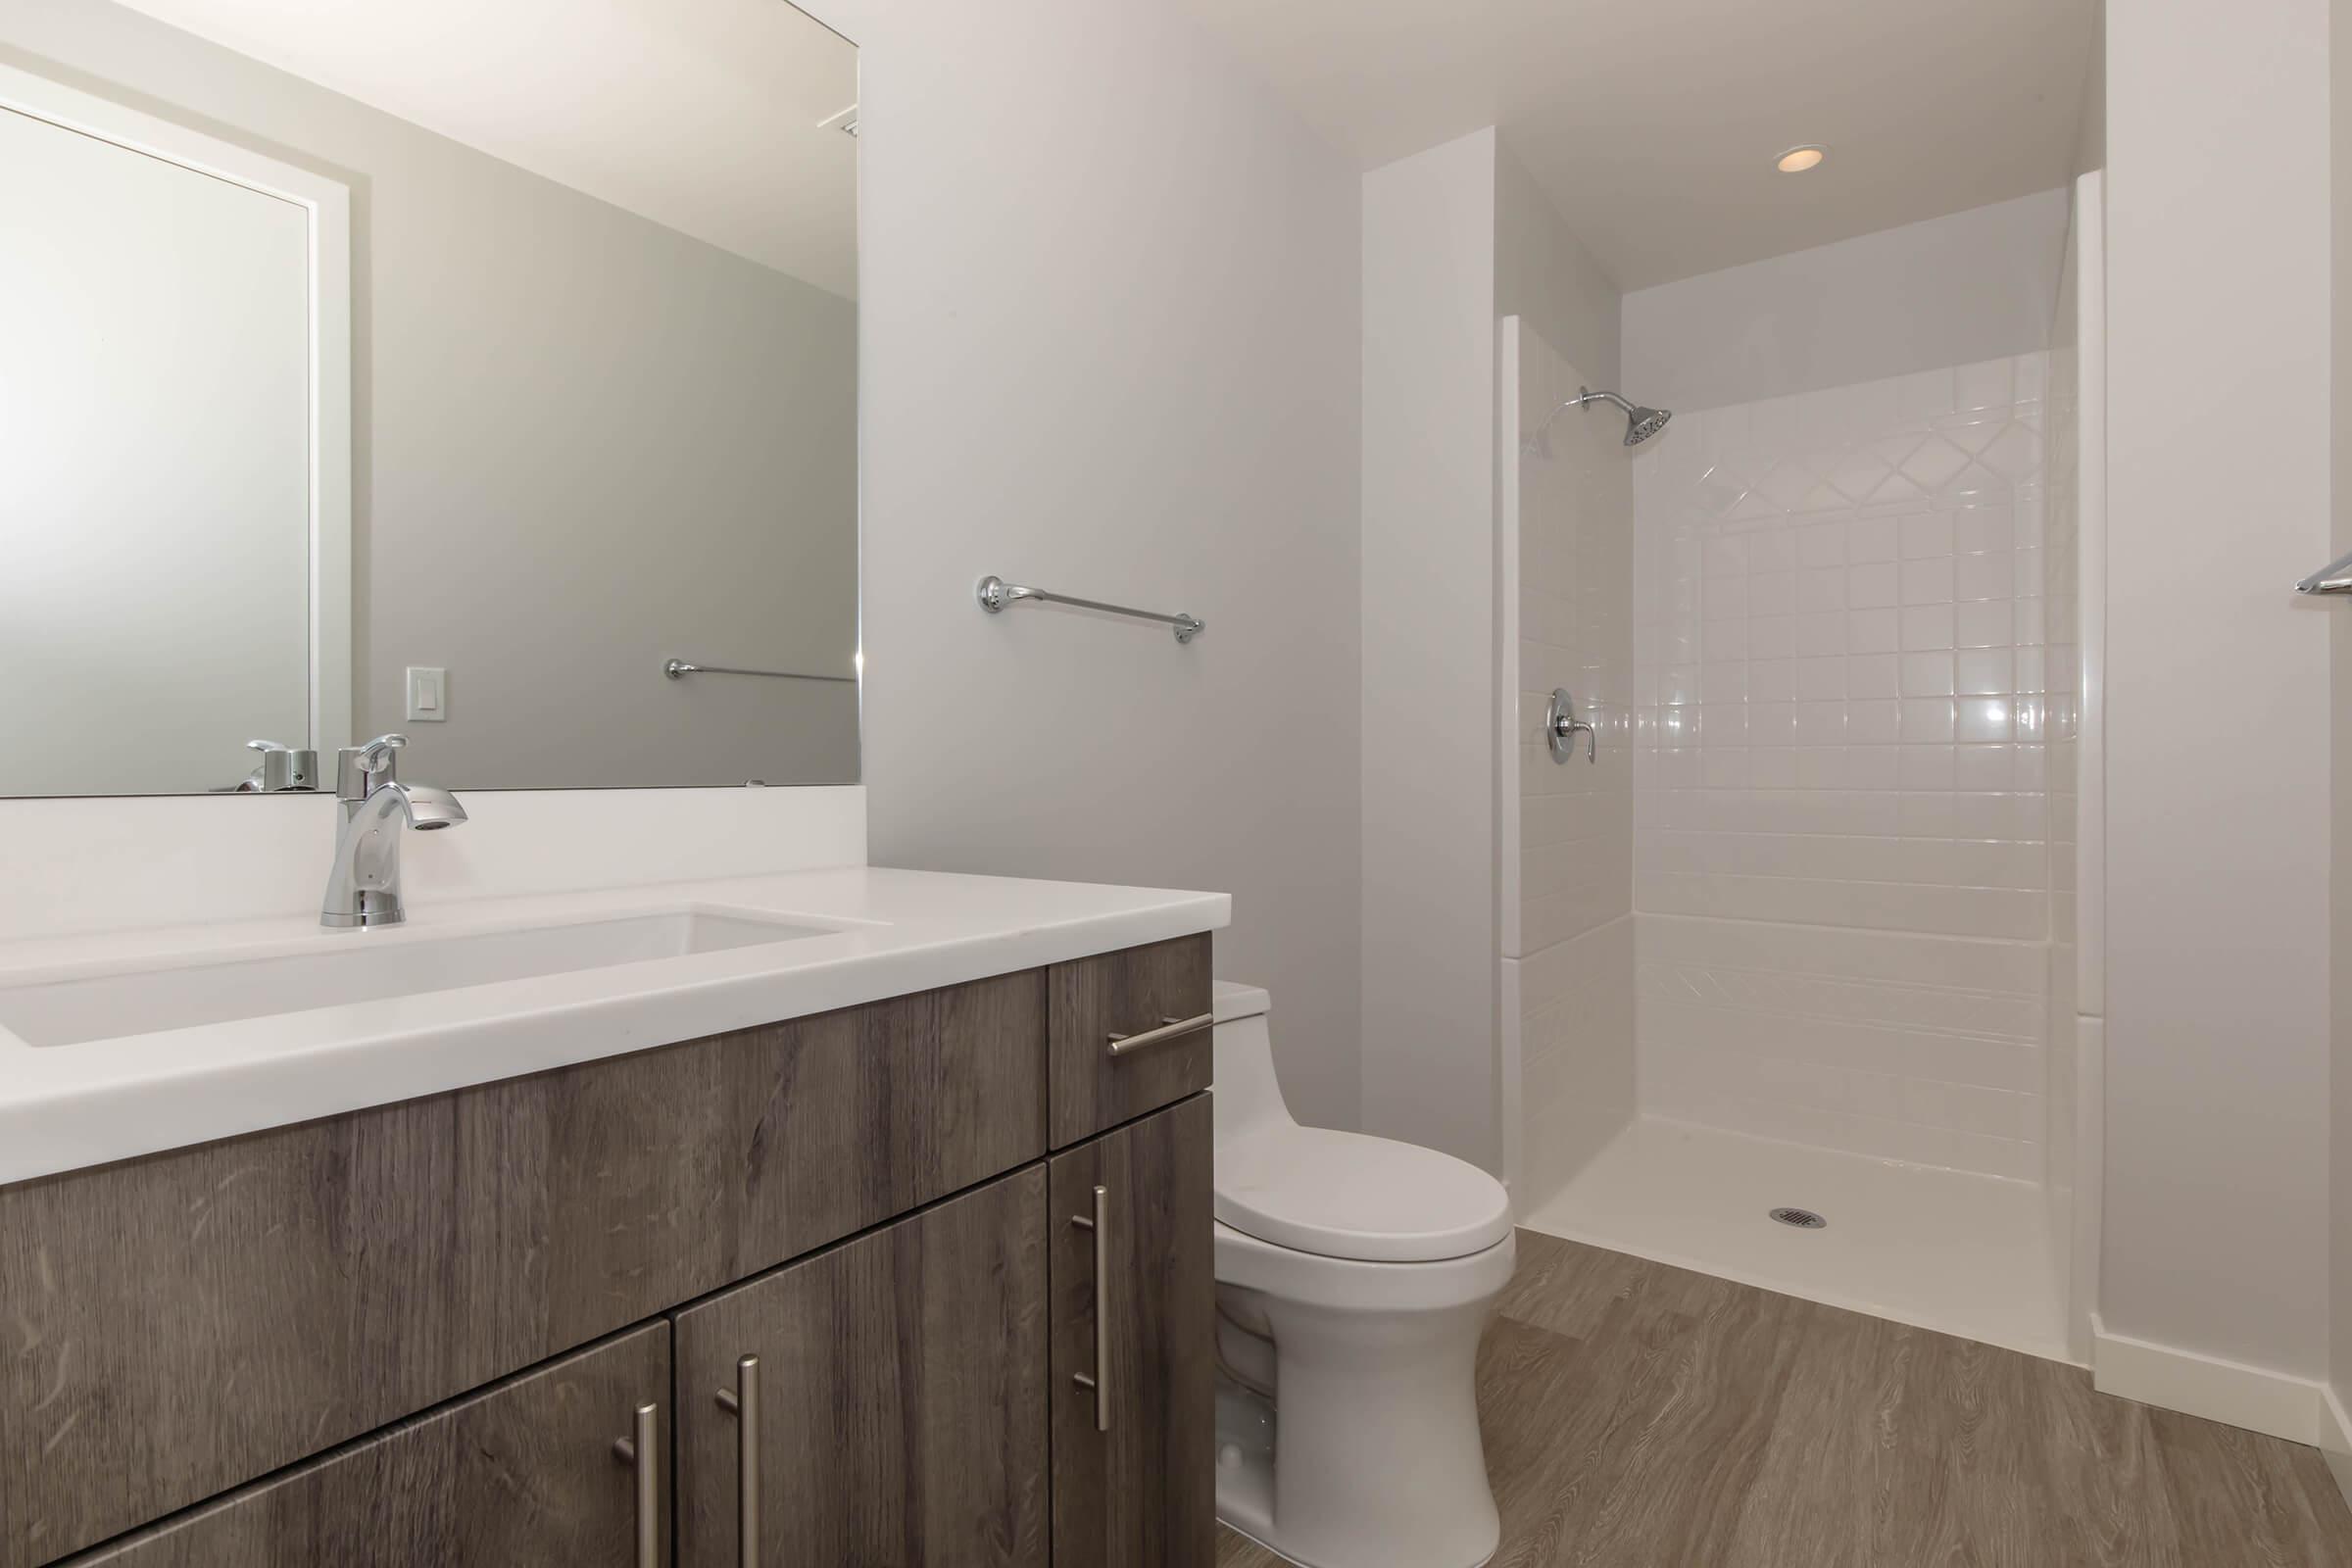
(1789, 970)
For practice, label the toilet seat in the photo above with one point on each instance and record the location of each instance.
(1349, 1196)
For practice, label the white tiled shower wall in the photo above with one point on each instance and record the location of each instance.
(1568, 931)
(1843, 701)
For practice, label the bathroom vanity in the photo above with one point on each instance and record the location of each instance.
(631, 1176)
(920, 1279)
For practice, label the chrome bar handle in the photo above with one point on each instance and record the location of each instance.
(1561, 727)
(995, 593)
(681, 668)
(1100, 1384)
(1169, 1029)
(742, 1401)
(2336, 577)
(642, 1453)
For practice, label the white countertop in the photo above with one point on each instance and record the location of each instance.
(67, 1107)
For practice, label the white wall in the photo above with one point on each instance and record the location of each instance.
(1111, 348)
(1429, 617)
(2218, 756)
(2336, 1438)
(1544, 275)
(80, 866)
(1955, 290)
(573, 453)
(1454, 239)
(1568, 829)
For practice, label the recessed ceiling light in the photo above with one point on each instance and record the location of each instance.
(1796, 160)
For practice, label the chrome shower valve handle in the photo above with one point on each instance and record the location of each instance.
(1561, 727)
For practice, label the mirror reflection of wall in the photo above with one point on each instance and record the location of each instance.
(601, 373)
(155, 431)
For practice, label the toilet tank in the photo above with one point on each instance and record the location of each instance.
(1246, 1095)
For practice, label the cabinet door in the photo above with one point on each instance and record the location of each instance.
(347, 1273)
(895, 1413)
(1134, 1325)
(524, 1475)
(1116, 1046)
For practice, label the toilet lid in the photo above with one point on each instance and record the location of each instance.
(1345, 1195)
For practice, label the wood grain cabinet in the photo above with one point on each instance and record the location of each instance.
(922, 1282)
(1119, 1044)
(353, 1271)
(880, 1404)
(1134, 1325)
(524, 1475)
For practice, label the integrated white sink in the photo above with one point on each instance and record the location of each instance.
(341, 968)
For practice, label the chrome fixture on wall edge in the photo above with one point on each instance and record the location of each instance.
(1561, 727)
(1641, 423)
(2336, 577)
(994, 594)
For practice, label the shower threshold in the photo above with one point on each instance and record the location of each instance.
(1961, 1254)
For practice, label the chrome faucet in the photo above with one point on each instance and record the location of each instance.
(280, 770)
(362, 885)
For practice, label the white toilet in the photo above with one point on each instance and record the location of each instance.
(1354, 1276)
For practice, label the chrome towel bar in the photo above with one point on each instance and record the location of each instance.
(995, 593)
(680, 668)
(2336, 577)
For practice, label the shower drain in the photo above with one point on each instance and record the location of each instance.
(1804, 1219)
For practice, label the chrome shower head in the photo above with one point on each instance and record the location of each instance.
(1640, 424)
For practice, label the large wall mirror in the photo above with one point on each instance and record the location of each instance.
(484, 373)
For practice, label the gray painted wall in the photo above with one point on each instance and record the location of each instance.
(1429, 752)
(583, 443)
(1111, 348)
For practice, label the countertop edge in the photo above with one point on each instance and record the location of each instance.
(80, 1130)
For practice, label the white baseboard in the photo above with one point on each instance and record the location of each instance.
(2229, 1391)
(2336, 1440)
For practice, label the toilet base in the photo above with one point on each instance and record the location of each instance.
(1246, 1521)
(1377, 1458)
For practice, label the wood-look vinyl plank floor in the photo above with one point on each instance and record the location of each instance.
(1643, 1416)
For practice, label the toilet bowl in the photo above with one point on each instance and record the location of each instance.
(1354, 1276)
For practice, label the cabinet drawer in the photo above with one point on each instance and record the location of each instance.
(894, 1408)
(1134, 1325)
(1101, 1003)
(182, 1324)
(522, 1476)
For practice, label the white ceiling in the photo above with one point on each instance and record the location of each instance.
(702, 114)
(1654, 123)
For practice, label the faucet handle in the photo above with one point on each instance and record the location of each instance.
(266, 746)
(362, 770)
(376, 756)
